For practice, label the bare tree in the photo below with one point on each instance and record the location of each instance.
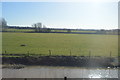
(37, 26)
(3, 24)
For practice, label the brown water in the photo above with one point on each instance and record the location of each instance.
(58, 72)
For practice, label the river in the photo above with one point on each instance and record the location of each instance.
(58, 72)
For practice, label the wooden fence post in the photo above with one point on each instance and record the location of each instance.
(110, 55)
(50, 52)
(28, 53)
(70, 53)
(89, 54)
(5, 51)
(80, 52)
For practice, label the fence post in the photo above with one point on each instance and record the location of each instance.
(89, 54)
(5, 51)
(80, 52)
(110, 55)
(70, 53)
(50, 52)
(27, 53)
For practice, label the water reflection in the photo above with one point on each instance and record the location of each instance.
(94, 76)
(59, 72)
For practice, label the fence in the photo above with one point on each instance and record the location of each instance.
(50, 53)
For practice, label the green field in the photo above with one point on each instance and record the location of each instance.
(20, 30)
(60, 44)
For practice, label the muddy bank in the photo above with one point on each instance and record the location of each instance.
(74, 61)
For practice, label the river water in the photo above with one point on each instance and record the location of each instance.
(58, 72)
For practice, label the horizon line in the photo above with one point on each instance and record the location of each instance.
(65, 28)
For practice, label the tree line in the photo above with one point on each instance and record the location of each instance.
(39, 27)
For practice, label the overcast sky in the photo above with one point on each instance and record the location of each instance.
(85, 15)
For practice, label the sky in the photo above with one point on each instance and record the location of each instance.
(75, 15)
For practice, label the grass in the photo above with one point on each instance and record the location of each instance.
(58, 30)
(85, 31)
(60, 44)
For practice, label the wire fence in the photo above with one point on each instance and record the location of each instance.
(50, 53)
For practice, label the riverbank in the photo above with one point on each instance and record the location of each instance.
(68, 61)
